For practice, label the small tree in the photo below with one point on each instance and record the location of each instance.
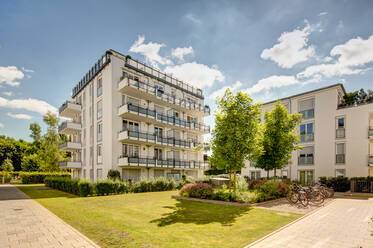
(278, 139)
(234, 138)
(30, 162)
(7, 167)
(113, 175)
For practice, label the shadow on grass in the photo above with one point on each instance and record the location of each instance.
(40, 191)
(200, 213)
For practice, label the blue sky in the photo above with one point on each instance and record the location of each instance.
(269, 49)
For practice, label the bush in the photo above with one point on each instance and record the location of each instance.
(85, 188)
(272, 189)
(38, 177)
(113, 175)
(197, 190)
(157, 184)
(63, 183)
(104, 187)
(339, 184)
(30, 163)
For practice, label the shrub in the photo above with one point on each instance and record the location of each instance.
(197, 190)
(272, 189)
(63, 183)
(253, 184)
(38, 177)
(113, 175)
(104, 187)
(339, 184)
(85, 188)
(157, 184)
(30, 162)
(120, 187)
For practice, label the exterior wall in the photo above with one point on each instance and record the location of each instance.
(96, 167)
(324, 125)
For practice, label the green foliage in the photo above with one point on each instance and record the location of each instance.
(63, 183)
(30, 162)
(278, 139)
(104, 187)
(113, 175)
(14, 150)
(152, 185)
(7, 165)
(357, 97)
(234, 138)
(35, 132)
(197, 190)
(339, 184)
(272, 189)
(85, 188)
(39, 177)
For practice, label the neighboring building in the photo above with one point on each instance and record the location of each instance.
(336, 140)
(133, 118)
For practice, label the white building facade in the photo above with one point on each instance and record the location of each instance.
(335, 140)
(133, 118)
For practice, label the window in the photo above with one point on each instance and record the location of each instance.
(306, 156)
(174, 175)
(340, 127)
(158, 132)
(340, 153)
(99, 131)
(255, 175)
(99, 173)
(306, 132)
(284, 174)
(99, 87)
(99, 154)
(306, 177)
(99, 109)
(307, 108)
(130, 126)
(130, 150)
(158, 153)
(340, 172)
(133, 101)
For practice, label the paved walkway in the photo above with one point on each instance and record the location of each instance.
(342, 223)
(25, 223)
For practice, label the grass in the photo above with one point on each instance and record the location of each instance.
(156, 220)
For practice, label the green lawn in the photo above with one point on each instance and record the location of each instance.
(156, 220)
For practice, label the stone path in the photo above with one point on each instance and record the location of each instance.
(341, 223)
(25, 223)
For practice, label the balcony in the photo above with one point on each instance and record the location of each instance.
(340, 133)
(71, 165)
(152, 138)
(71, 145)
(370, 133)
(69, 127)
(307, 137)
(144, 114)
(340, 158)
(156, 94)
(305, 160)
(307, 114)
(70, 109)
(156, 163)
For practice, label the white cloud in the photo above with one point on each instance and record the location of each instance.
(199, 75)
(220, 92)
(351, 57)
(7, 93)
(292, 48)
(11, 75)
(30, 104)
(192, 18)
(20, 116)
(1, 125)
(180, 52)
(27, 70)
(274, 81)
(323, 13)
(150, 51)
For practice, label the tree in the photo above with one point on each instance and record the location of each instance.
(35, 132)
(234, 138)
(7, 165)
(14, 150)
(278, 139)
(30, 162)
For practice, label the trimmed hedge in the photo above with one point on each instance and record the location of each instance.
(158, 184)
(73, 186)
(339, 184)
(39, 177)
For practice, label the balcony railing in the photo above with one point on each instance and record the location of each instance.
(168, 119)
(152, 72)
(153, 138)
(305, 160)
(69, 125)
(340, 133)
(340, 158)
(307, 137)
(370, 132)
(370, 160)
(69, 105)
(160, 94)
(168, 163)
(308, 114)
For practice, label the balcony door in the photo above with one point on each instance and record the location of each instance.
(130, 150)
(158, 154)
(306, 177)
(130, 126)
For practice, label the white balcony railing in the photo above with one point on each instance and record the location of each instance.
(68, 126)
(69, 109)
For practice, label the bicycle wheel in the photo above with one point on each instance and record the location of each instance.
(317, 198)
(292, 197)
(303, 199)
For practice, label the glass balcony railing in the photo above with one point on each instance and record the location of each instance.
(153, 138)
(305, 160)
(340, 158)
(169, 163)
(340, 133)
(160, 94)
(307, 137)
(167, 118)
(307, 114)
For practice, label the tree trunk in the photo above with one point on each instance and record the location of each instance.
(275, 173)
(267, 174)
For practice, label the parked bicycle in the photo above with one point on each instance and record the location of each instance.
(315, 194)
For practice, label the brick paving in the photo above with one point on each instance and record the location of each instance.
(25, 223)
(341, 223)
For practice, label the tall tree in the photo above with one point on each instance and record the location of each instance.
(234, 138)
(279, 138)
(35, 132)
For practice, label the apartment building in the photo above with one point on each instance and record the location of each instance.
(336, 140)
(128, 116)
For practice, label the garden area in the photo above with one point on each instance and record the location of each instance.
(154, 219)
